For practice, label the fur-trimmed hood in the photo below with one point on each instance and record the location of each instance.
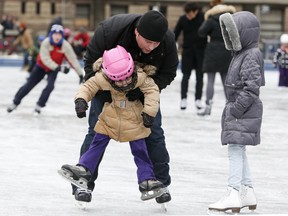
(150, 70)
(219, 9)
(240, 30)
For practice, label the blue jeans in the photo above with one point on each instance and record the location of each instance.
(155, 143)
(239, 173)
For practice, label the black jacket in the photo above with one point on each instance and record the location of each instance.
(217, 58)
(120, 30)
(190, 31)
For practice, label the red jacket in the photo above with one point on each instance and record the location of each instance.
(84, 37)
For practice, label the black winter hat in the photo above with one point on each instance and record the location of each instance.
(152, 26)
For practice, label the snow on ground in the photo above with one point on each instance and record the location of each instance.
(34, 148)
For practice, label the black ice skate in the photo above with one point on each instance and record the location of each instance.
(76, 175)
(150, 189)
(165, 196)
(82, 197)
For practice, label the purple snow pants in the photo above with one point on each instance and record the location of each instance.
(92, 157)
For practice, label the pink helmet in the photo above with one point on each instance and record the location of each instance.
(117, 64)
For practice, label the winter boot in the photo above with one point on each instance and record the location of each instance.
(198, 104)
(248, 198)
(206, 111)
(76, 175)
(150, 189)
(11, 107)
(231, 201)
(165, 197)
(183, 104)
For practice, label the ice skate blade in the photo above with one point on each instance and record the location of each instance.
(221, 212)
(81, 183)
(164, 207)
(147, 195)
(81, 205)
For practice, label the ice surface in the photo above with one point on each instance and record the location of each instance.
(34, 148)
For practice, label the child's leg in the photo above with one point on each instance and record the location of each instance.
(235, 155)
(246, 179)
(92, 157)
(142, 160)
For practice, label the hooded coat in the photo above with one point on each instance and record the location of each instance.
(121, 120)
(242, 115)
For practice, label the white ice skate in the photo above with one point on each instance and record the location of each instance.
(76, 175)
(248, 198)
(231, 201)
(150, 189)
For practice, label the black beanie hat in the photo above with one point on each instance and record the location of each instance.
(153, 26)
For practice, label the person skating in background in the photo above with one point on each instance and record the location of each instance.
(80, 42)
(26, 40)
(35, 51)
(280, 60)
(217, 58)
(242, 115)
(193, 51)
(116, 72)
(136, 33)
(54, 49)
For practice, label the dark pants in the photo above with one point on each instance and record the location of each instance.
(155, 143)
(192, 59)
(283, 77)
(91, 158)
(37, 74)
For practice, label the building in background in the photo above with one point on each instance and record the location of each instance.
(273, 14)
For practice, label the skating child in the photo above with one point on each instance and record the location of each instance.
(120, 120)
(242, 115)
(53, 50)
(280, 60)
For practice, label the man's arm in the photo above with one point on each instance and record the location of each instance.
(95, 50)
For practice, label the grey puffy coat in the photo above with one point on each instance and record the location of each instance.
(242, 115)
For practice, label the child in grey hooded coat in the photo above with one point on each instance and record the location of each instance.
(242, 115)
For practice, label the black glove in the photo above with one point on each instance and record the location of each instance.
(134, 94)
(57, 69)
(80, 107)
(147, 120)
(81, 79)
(65, 69)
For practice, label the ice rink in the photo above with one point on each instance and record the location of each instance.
(34, 148)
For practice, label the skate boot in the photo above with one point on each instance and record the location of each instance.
(11, 107)
(183, 104)
(165, 196)
(206, 111)
(76, 175)
(82, 197)
(150, 189)
(248, 198)
(198, 104)
(231, 201)
(37, 110)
